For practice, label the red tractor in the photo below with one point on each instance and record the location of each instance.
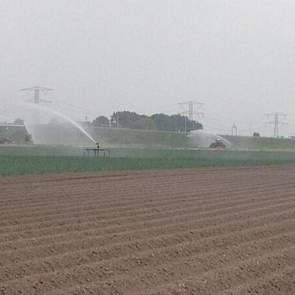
(218, 144)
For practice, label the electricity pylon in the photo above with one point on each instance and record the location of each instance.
(277, 120)
(37, 93)
(191, 109)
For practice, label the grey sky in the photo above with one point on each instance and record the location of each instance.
(238, 56)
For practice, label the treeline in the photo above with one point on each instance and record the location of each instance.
(133, 120)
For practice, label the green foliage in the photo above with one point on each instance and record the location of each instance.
(54, 160)
(19, 121)
(101, 121)
(40, 150)
(174, 123)
(157, 121)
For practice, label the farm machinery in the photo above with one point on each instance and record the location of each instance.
(217, 144)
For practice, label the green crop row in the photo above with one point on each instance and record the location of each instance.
(21, 165)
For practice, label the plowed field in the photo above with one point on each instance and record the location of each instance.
(206, 231)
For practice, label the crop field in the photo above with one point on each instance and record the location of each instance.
(22, 160)
(218, 231)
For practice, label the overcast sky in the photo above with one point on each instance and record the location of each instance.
(236, 56)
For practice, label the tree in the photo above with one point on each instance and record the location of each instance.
(128, 119)
(175, 123)
(18, 121)
(101, 121)
(157, 121)
(162, 121)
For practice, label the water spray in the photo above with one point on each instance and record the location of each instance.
(37, 90)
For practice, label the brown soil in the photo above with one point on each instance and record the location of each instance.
(206, 231)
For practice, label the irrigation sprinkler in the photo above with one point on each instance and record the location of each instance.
(97, 151)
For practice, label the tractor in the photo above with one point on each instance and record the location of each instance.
(217, 144)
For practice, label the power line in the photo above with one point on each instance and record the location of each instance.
(276, 120)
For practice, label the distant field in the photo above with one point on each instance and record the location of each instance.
(154, 138)
(46, 159)
(110, 136)
(59, 135)
(125, 136)
(261, 143)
